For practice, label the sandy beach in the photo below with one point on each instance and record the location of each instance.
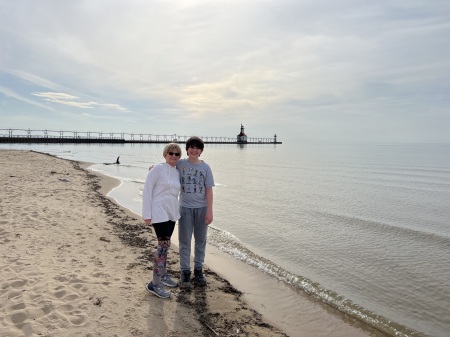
(74, 263)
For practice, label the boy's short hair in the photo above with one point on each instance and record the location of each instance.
(172, 147)
(195, 141)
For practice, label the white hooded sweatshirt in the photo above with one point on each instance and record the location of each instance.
(160, 195)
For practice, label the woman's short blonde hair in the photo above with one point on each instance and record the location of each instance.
(172, 147)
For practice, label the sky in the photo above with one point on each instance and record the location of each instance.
(306, 70)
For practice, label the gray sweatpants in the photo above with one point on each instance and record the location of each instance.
(192, 221)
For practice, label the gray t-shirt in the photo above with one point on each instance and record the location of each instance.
(195, 179)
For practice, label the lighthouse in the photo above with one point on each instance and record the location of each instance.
(242, 137)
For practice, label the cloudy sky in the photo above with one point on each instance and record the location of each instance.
(307, 70)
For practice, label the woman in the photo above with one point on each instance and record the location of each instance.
(160, 208)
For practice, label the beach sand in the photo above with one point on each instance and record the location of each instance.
(75, 263)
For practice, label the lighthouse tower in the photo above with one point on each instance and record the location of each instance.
(242, 137)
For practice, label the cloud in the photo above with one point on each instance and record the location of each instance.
(70, 100)
(10, 93)
(171, 64)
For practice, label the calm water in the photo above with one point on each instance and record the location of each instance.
(364, 228)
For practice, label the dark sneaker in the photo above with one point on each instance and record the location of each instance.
(168, 282)
(185, 280)
(157, 290)
(199, 277)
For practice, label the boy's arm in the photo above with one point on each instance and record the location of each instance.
(209, 203)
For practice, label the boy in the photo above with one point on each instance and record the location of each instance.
(196, 202)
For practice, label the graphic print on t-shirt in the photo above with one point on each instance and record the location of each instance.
(192, 180)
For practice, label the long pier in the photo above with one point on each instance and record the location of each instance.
(51, 136)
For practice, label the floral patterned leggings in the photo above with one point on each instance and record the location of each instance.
(163, 231)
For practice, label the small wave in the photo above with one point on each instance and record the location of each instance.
(128, 165)
(422, 234)
(228, 243)
(129, 179)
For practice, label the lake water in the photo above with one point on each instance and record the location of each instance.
(363, 228)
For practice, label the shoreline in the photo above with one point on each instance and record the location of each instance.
(75, 263)
(292, 311)
(105, 271)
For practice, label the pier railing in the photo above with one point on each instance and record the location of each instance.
(51, 136)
